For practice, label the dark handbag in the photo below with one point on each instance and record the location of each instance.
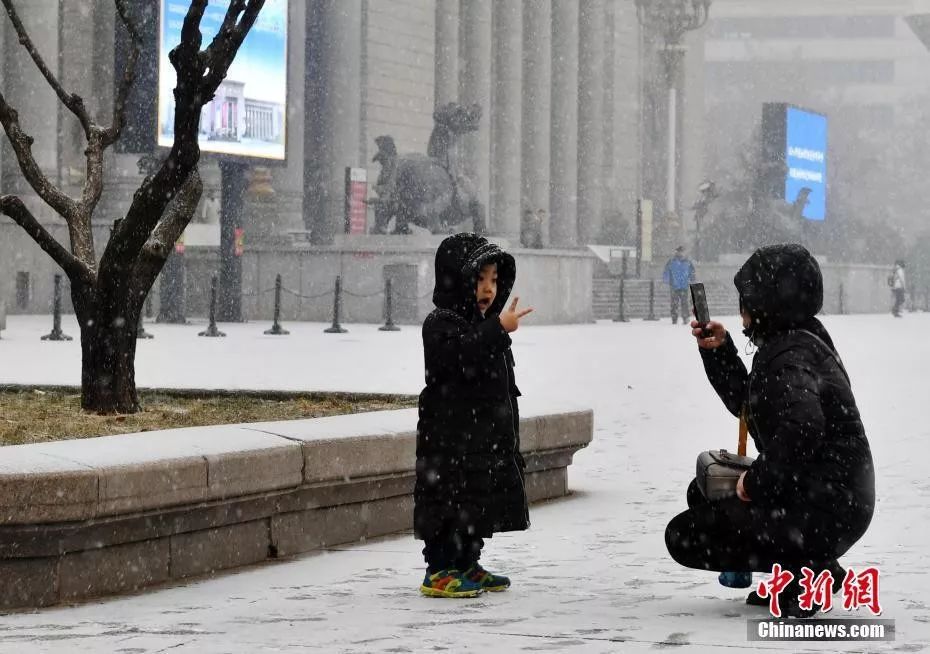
(718, 471)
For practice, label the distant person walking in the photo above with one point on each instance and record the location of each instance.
(679, 272)
(898, 283)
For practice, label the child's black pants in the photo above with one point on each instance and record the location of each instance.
(454, 550)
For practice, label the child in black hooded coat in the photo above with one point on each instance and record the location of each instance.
(470, 475)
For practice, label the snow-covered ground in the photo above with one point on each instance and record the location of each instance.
(591, 575)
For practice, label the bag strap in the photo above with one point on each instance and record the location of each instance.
(743, 433)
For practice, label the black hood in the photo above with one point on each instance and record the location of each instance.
(781, 288)
(458, 260)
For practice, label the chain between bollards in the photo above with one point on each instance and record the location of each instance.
(276, 328)
(389, 325)
(336, 328)
(212, 331)
(56, 333)
(652, 301)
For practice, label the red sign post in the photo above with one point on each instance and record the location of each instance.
(356, 207)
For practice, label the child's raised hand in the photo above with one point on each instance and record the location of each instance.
(510, 318)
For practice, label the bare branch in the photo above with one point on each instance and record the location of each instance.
(169, 229)
(226, 29)
(93, 182)
(191, 38)
(129, 75)
(22, 147)
(226, 43)
(13, 207)
(176, 219)
(72, 101)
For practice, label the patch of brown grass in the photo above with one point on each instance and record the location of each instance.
(38, 415)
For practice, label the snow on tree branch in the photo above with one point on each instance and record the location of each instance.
(22, 148)
(13, 207)
(169, 229)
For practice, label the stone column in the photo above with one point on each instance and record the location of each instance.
(692, 114)
(447, 51)
(537, 65)
(563, 189)
(40, 112)
(608, 188)
(591, 123)
(287, 181)
(81, 72)
(332, 96)
(655, 106)
(475, 88)
(623, 112)
(506, 125)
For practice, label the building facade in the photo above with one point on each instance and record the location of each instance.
(858, 62)
(561, 86)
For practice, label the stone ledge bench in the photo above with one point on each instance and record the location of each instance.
(99, 516)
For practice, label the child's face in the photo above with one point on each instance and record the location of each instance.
(487, 286)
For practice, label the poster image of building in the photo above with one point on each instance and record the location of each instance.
(246, 117)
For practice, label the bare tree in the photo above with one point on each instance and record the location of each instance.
(108, 294)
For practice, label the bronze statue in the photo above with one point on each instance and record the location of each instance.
(429, 190)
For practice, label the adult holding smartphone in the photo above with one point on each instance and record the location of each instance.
(810, 494)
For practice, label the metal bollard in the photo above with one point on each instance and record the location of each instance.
(276, 328)
(621, 316)
(652, 301)
(842, 310)
(389, 325)
(56, 333)
(211, 329)
(337, 310)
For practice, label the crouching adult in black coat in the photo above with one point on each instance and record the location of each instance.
(810, 494)
(470, 475)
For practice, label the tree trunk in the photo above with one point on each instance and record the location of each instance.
(108, 347)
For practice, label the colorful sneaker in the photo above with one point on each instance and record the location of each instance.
(487, 580)
(449, 583)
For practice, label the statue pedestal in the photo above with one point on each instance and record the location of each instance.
(382, 243)
(387, 242)
(557, 283)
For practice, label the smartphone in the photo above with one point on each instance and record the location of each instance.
(699, 300)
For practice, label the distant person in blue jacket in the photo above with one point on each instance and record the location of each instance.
(679, 272)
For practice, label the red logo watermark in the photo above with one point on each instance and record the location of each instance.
(859, 590)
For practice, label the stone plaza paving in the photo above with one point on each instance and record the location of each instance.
(591, 575)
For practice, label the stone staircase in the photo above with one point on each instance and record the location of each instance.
(721, 298)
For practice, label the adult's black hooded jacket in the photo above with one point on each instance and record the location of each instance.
(470, 475)
(813, 451)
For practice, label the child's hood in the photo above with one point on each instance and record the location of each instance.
(458, 260)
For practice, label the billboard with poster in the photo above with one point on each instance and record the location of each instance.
(248, 116)
(795, 153)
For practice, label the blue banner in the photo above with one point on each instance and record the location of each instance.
(806, 158)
